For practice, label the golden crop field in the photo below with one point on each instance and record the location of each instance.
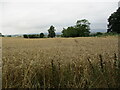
(83, 62)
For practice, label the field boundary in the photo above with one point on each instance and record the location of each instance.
(0, 63)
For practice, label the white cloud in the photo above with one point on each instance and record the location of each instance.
(59, 1)
(21, 16)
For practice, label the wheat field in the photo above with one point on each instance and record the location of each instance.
(84, 62)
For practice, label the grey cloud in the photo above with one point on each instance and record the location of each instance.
(37, 17)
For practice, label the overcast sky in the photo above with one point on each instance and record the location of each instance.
(35, 16)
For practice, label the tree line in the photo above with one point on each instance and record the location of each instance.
(51, 34)
(41, 35)
(81, 29)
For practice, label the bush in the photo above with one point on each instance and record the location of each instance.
(25, 36)
(34, 35)
(42, 35)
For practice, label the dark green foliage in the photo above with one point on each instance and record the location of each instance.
(0, 34)
(34, 36)
(3, 36)
(51, 32)
(42, 35)
(9, 36)
(99, 33)
(70, 32)
(114, 22)
(81, 29)
(31, 36)
(25, 36)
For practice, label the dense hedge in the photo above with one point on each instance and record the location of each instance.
(41, 35)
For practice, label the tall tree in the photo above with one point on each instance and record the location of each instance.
(42, 35)
(114, 22)
(81, 29)
(51, 32)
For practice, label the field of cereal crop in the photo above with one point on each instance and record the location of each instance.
(83, 62)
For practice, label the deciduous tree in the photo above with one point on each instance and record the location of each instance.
(114, 22)
(51, 32)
